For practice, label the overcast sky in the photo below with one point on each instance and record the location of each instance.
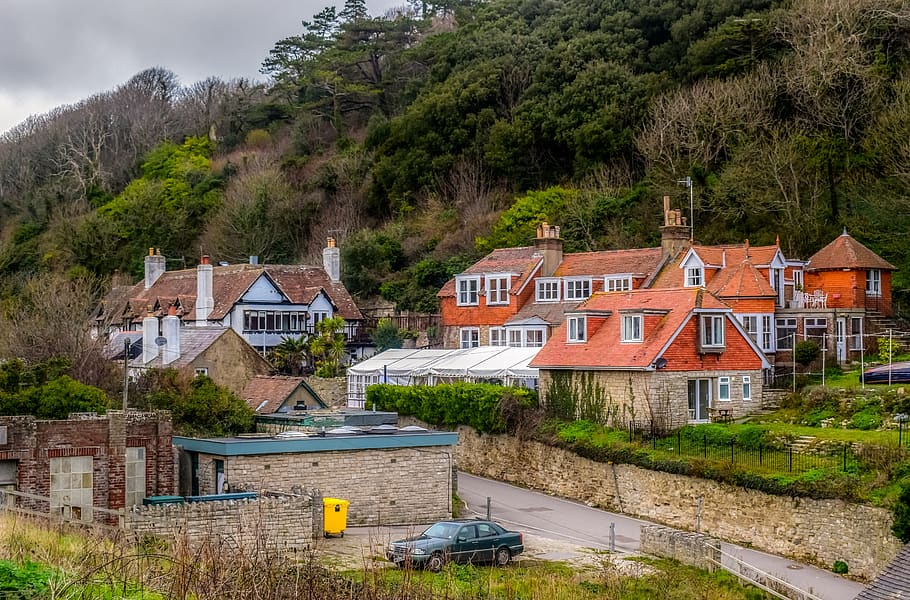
(55, 52)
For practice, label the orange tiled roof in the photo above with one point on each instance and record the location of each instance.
(715, 257)
(741, 281)
(603, 350)
(846, 253)
(521, 261)
(265, 394)
(638, 261)
(300, 283)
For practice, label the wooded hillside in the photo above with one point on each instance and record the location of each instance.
(422, 139)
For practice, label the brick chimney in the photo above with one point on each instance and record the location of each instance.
(149, 336)
(204, 301)
(154, 267)
(549, 245)
(331, 260)
(171, 330)
(674, 233)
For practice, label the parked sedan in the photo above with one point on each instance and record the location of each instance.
(458, 540)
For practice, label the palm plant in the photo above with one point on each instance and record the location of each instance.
(292, 355)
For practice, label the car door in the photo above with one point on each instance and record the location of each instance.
(487, 541)
(464, 547)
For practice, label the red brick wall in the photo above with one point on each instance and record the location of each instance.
(33, 443)
(683, 354)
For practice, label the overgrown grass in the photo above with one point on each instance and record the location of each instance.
(50, 562)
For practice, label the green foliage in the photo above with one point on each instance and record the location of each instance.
(518, 225)
(367, 259)
(24, 580)
(198, 406)
(292, 355)
(387, 335)
(887, 348)
(840, 567)
(806, 352)
(415, 288)
(901, 511)
(450, 405)
(866, 419)
(45, 392)
(328, 346)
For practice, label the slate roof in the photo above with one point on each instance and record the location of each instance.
(602, 349)
(641, 262)
(893, 583)
(301, 284)
(193, 342)
(846, 253)
(265, 394)
(521, 261)
(553, 313)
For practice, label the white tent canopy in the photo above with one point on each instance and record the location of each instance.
(500, 364)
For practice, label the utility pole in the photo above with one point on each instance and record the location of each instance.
(688, 183)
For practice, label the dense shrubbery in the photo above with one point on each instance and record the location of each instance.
(474, 404)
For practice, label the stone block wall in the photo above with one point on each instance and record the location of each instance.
(333, 391)
(383, 486)
(281, 523)
(691, 549)
(813, 531)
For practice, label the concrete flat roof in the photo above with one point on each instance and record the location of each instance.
(243, 446)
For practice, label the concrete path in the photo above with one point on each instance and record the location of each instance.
(572, 521)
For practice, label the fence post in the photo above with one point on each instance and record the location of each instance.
(732, 451)
(631, 438)
(760, 447)
(845, 457)
(612, 537)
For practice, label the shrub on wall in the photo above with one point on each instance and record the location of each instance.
(450, 405)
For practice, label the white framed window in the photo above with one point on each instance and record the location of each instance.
(535, 338)
(135, 475)
(767, 333)
(786, 330)
(548, 289)
(723, 389)
(498, 336)
(694, 276)
(750, 324)
(498, 289)
(873, 282)
(578, 289)
(856, 333)
(468, 290)
(577, 329)
(631, 328)
(747, 388)
(618, 284)
(516, 338)
(470, 337)
(815, 329)
(712, 331)
(201, 372)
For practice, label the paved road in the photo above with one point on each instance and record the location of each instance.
(561, 519)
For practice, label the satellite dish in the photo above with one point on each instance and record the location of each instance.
(160, 341)
(660, 363)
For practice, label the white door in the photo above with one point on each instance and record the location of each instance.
(840, 335)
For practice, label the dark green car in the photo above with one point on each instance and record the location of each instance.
(458, 540)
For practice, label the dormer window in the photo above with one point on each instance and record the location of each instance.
(468, 290)
(548, 289)
(577, 329)
(498, 289)
(712, 333)
(695, 276)
(578, 289)
(618, 283)
(631, 328)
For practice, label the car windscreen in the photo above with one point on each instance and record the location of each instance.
(441, 530)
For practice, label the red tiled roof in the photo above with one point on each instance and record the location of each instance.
(716, 257)
(603, 350)
(521, 261)
(741, 281)
(300, 283)
(846, 253)
(638, 261)
(265, 394)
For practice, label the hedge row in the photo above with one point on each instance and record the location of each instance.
(450, 405)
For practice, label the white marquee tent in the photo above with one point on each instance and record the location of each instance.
(494, 364)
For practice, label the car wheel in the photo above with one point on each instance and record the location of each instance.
(436, 562)
(503, 556)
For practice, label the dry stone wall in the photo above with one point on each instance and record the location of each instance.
(692, 549)
(814, 531)
(333, 391)
(282, 523)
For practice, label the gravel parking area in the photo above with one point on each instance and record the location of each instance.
(364, 548)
